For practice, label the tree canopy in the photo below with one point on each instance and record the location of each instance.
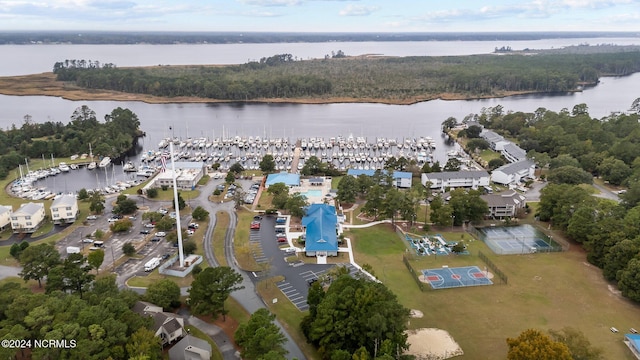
(354, 314)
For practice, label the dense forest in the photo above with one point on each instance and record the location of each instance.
(567, 145)
(113, 137)
(407, 78)
(151, 37)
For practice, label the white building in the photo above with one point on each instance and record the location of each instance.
(514, 173)
(64, 209)
(27, 218)
(513, 153)
(187, 176)
(496, 142)
(455, 179)
(504, 204)
(5, 216)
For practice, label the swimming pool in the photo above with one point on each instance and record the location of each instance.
(314, 193)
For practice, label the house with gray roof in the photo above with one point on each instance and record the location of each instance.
(28, 218)
(514, 173)
(455, 179)
(504, 204)
(64, 209)
(167, 326)
(190, 348)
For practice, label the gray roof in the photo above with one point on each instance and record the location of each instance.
(515, 167)
(446, 175)
(177, 351)
(515, 151)
(64, 200)
(5, 209)
(509, 197)
(29, 209)
(491, 136)
(143, 308)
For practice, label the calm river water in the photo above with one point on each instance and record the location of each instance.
(286, 120)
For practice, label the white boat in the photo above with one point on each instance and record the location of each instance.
(104, 162)
(64, 167)
(92, 165)
(129, 167)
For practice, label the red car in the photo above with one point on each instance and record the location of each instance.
(255, 225)
(281, 239)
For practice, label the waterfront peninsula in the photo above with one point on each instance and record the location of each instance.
(335, 79)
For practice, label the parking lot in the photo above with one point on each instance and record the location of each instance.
(297, 275)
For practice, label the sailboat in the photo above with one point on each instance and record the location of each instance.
(92, 165)
(104, 162)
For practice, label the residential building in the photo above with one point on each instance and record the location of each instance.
(504, 204)
(187, 175)
(455, 179)
(514, 173)
(28, 218)
(401, 179)
(496, 142)
(167, 326)
(290, 180)
(64, 209)
(513, 153)
(190, 348)
(5, 216)
(321, 229)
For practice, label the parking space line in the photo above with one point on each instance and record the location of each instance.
(285, 287)
(296, 299)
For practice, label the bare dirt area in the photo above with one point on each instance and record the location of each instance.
(431, 343)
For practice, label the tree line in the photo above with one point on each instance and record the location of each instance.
(418, 78)
(113, 137)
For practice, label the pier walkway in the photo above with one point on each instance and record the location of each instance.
(296, 158)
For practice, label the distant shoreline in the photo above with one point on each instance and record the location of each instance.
(244, 37)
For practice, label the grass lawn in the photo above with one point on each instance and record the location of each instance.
(241, 244)
(145, 281)
(222, 224)
(545, 291)
(288, 315)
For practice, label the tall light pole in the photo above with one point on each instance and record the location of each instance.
(175, 203)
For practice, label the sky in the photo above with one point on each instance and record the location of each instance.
(321, 15)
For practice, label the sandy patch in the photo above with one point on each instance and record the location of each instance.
(433, 344)
(416, 314)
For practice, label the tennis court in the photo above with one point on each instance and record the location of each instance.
(521, 239)
(446, 277)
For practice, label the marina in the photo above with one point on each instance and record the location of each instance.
(289, 155)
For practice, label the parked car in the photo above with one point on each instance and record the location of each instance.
(161, 234)
(190, 232)
(282, 239)
(86, 240)
(193, 226)
(112, 220)
(255, 225)
(132, 218)
(163, 211)
(257, 217)
(155, 239)
(92, 217)
(145, 232)
(149, 226)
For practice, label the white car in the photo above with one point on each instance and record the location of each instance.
(161, 234)
(149, 225)
(163, 211)
(190, 232)
(92, 217)
(193, 225)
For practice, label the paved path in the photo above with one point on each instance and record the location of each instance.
(246, 297)
(9, 271)
(223, 342)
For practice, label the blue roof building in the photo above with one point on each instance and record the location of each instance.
(633, 342)
(321, 225)
(401, 179)
(283, 177)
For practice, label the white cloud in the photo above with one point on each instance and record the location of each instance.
(271, 2)
(357, 10)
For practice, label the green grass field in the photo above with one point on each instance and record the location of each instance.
(545, 291)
